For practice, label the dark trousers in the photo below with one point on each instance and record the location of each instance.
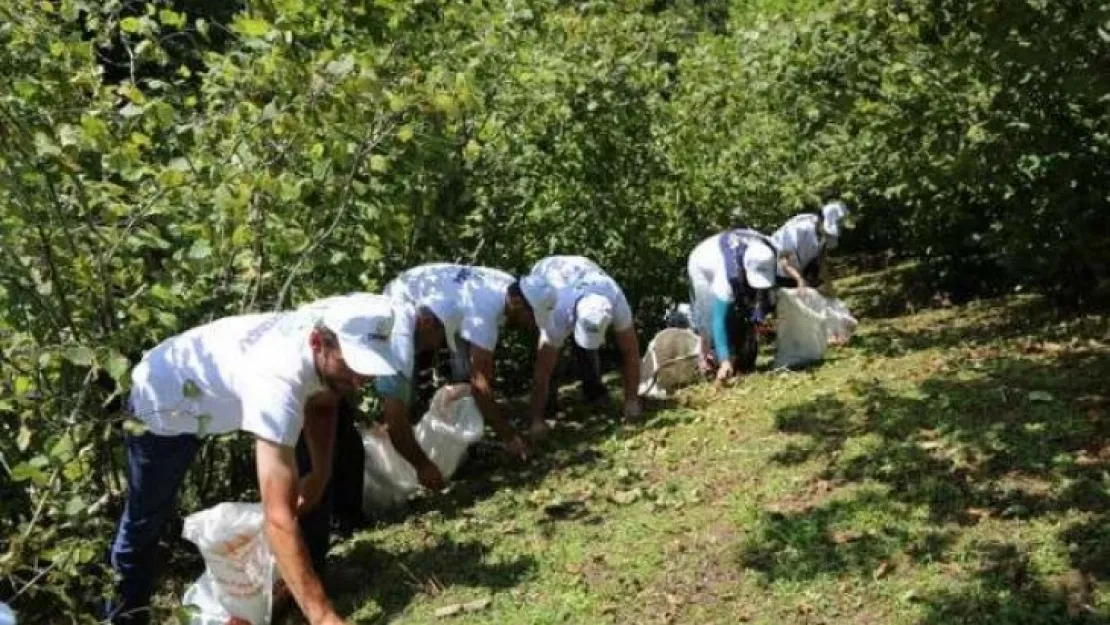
(742, 335)
(156, 467)
(587, 368)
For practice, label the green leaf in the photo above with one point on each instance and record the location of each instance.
(117, 366)
(470, 152)
(171, 18)
(340, 67)
(200, 249)
(131, 110)
(76, 505)
(23, 440)
(80, 355)
(134, 427)
(1041, 396)
(405, 133)
(190, 389)
(62, 449)
(379, 163)
(131, 24)
(25, 471)
(251, 27)
(167, 319)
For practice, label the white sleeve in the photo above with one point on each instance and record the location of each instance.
(402, 341)
(479, 323)
(707, 269)
(556, 331)
(622, 312)
(719, 285)
(272, 410)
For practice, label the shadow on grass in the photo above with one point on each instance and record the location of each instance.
(1017, 439)
(1007, 590)
(1001, 435)
(393, 580)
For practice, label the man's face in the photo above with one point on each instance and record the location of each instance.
(519, 313)
(333, 369)
(429, 331)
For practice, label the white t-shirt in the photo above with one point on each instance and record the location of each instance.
(575, 277)
(469, 301)
(799, 235)
(250, 372)
(561, 271)
(707, 269)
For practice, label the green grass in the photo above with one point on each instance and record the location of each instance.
(948, 466)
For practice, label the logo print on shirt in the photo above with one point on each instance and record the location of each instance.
(463, 275)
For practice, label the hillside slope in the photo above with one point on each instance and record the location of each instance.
(948, 466)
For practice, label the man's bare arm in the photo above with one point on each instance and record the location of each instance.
(321, 414)
(481, 385)
(629, 347)
(546, 357)
(277, 480)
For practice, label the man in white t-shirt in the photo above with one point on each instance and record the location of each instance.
(588, 302)
(729, 275)
(806, 239)
(473, 303)
(269, 375)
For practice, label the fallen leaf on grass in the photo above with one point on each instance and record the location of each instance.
(449, 610)
(458, 608)
(882, 570)
(626, 497)
(846, 536)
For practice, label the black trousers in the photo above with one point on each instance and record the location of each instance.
(587, 368)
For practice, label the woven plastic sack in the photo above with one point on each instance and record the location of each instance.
(839, 323)
(670, 362)
(452, 424)
(239, 575)
(801, 335)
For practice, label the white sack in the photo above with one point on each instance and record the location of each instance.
(669, 363)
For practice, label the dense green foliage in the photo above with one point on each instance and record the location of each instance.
(164, 163)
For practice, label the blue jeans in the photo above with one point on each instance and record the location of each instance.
(156, 467)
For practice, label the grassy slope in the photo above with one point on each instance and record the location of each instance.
(948, 466)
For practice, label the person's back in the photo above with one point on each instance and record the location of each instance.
(468, 300)
(196, 382)
(565, 270)
(798, 236)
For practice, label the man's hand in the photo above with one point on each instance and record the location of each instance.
(431, 477)
(311, 491)
(333, 619)
(517, 447)
(725, 372)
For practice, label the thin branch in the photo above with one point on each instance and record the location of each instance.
(344, 203)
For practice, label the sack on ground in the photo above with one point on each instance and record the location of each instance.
(807, 323)
(800, 336)
(840, 324)
(670, 363)
(445, 433)
(239, 575)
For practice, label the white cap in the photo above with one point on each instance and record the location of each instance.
(759, 265)
(832, 213)
(595, 312)
(363, 324)
(541, 296)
